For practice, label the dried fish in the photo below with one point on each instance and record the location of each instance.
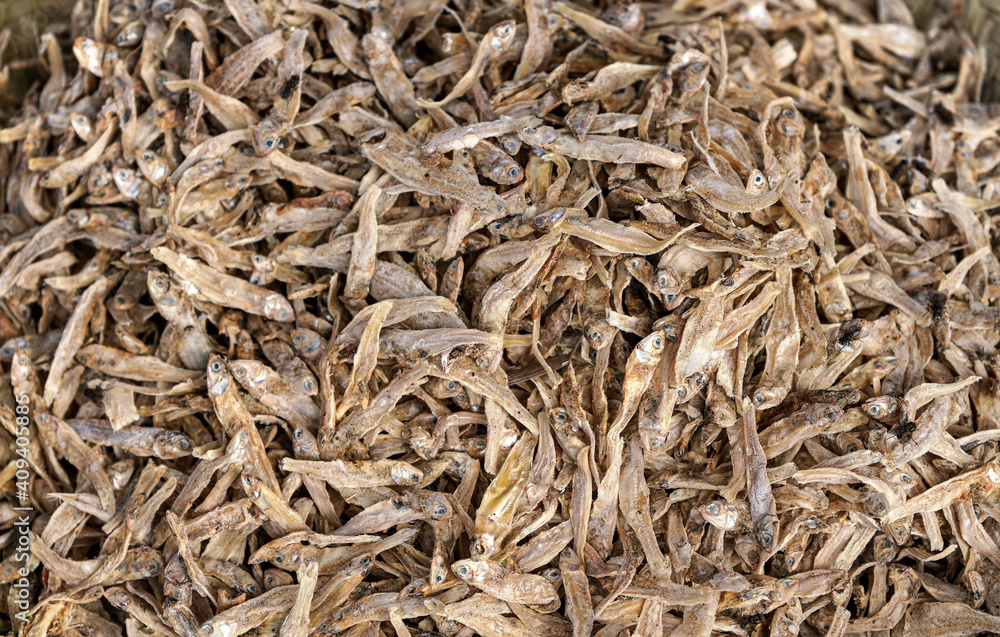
(484, 318)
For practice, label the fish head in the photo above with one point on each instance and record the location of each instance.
(881, 408)
(361, 564)
(218, 375)
(471, 570)
(248, 373)
(720, 514)
(599, 333)
(501, 35)
(483, 545)
(171, 444)
(756, 182)
(266, 137)
(650, 349)
(436, 506)
(218, 628)
(404, 475)
(307, 342)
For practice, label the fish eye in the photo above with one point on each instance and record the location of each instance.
(252, 589)
(514, 172)
(670, 298)
(529, 130)
(450, 385)
(270, 143)
(206, 628)
(366, 561)
(147, 156)
(216, 366)
(505, 29)
(184, 444)
(634, 262)
(279, 559)
(830, 203)
(463, 571)
(562, 416)
(697, 68)
(673, 149)
(299, 434)
(758, 180)
(681, 392)
(439, 578)
(7, 352)
(905, 478)
(712, 509)
(440, 511)
(788, 113)
(658, 342)
(309, 384)
(758, 398)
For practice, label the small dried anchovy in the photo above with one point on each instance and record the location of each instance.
(502, 319)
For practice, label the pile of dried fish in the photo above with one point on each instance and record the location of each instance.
(403, 317)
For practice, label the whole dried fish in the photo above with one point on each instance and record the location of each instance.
(499, 318)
